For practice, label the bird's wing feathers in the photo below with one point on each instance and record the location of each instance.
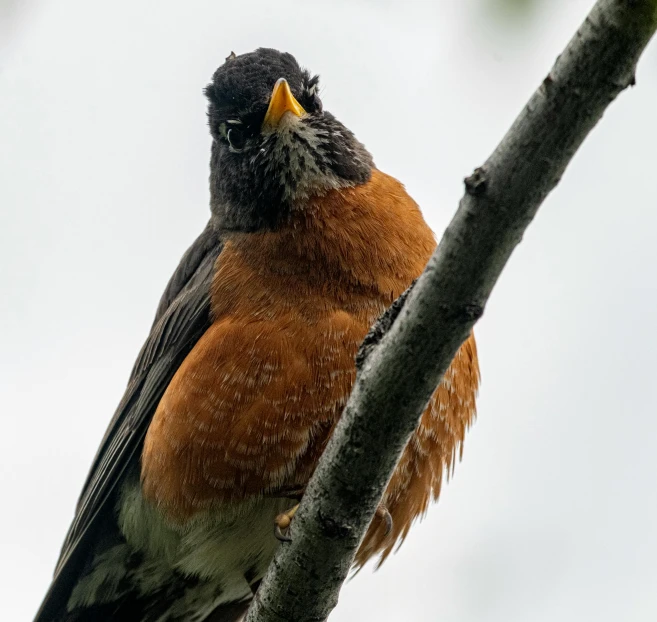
(186, 272)
(182, 317)
(185, 297)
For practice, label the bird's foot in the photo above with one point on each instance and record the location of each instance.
(382, 512)
(282, 521)
(282, 524)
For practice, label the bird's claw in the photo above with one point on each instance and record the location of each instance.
(280, 536)
(282, 524)
(382, 512)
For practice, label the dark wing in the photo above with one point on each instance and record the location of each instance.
(206, 243)
(183, 315)
(185, 277)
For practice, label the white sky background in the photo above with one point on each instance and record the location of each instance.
(104, 156)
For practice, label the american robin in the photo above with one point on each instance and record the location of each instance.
(249, 363)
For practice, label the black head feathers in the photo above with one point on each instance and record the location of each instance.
(274, 146)
(244, 84)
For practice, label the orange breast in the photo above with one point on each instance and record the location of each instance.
(249, 410)
(251, 407)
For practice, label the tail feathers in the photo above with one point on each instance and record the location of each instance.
(111, 593)
(118, 584)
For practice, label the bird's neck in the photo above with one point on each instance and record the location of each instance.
(352, 247)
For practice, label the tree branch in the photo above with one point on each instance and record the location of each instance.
(402, 371)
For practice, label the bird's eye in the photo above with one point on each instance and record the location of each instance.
(311, 95)
(236, 138)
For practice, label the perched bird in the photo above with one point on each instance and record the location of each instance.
(249, 363)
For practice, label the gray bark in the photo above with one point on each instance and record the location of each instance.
(399, 375)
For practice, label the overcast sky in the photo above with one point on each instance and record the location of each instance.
(104, 154)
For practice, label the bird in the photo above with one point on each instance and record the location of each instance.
(249, 363)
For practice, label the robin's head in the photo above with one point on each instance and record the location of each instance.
(274, 146)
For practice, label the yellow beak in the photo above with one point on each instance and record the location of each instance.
(281, 101)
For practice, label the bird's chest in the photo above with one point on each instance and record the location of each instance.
(250, 409)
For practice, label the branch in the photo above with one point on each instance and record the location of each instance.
(400, 373)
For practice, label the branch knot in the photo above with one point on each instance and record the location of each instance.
(476, 184)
